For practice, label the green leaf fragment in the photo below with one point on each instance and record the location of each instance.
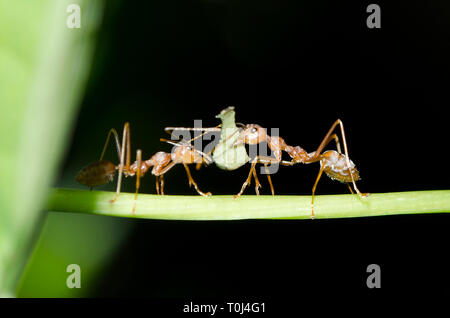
(226, 155)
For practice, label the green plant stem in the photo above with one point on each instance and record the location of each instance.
(224, 207)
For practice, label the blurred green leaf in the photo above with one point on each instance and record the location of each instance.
(43, 69)
(86, 240)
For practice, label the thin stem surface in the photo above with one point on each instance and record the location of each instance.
(224, 207)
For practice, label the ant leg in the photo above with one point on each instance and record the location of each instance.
(125, 143)
(350, 188)
(338, 145)
(257, 183)
(258, 159)
(269, 178)
(138, 178)
(192, 182)
(248, 181)
(157, 185)
(161, 180)
(287, 163)
(266, 160)
(160, 171)
(322, 167)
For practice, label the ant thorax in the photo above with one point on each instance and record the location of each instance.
(186, 154)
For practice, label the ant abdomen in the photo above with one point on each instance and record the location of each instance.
(335, 166)
(96, 173)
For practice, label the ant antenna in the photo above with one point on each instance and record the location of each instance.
(171, 142)
(205, 129)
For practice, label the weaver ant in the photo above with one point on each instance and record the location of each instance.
(103, 171)
(336, 165)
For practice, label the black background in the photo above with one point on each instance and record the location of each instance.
(296, 66)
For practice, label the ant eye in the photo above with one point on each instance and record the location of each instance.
(253, 130)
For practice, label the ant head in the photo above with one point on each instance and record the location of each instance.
(252, 134)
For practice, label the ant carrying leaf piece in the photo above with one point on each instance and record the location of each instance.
(336, 165)
(230, 153)
(226, 154)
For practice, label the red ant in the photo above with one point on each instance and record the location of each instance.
(336, 165)
(103, 171)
